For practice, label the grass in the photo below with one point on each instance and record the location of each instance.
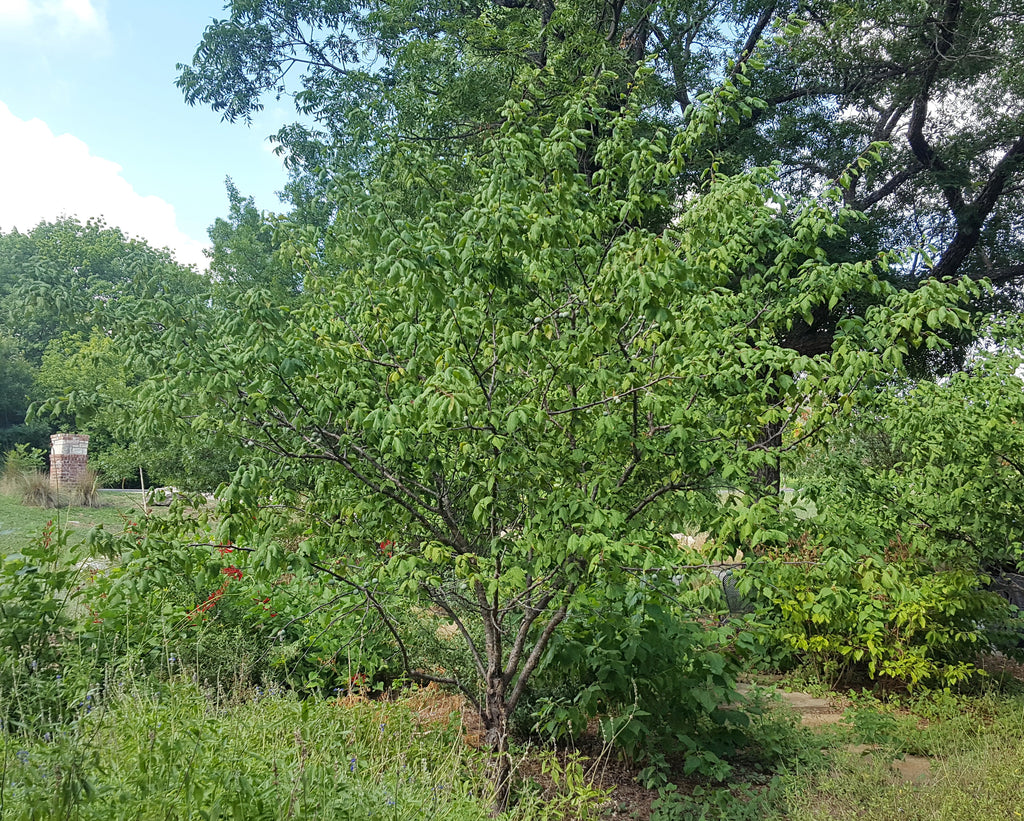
(19, 522)
(164, 753)
(151, 753)
(974, 766)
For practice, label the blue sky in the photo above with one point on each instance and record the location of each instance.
(87, 86)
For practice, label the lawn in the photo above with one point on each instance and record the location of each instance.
(19, 523)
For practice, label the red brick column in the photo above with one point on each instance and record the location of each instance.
(68, 458)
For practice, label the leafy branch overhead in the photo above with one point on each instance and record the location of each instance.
(937, 80)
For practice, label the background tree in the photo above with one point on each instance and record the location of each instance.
(15, 388)
(936, 79)
(60, 285)
(244, 252)
(61, 276)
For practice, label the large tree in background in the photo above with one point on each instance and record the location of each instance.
(61, 283)
(62, 277)
(244, 255)
(937, 79)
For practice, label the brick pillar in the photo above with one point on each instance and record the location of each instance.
(68, 458)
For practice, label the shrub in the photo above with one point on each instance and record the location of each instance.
(856, 613)
(659, 680)
(19, 462)
(229, 621)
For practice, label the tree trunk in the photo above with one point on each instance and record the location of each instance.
(495, 717)
(768, 478)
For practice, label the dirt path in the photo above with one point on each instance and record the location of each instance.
(817, 712)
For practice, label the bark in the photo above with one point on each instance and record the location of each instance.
(495, 717)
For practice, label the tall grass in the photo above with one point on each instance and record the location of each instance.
(975, 767)
(84, 491)
(166, 754)
(36, 491)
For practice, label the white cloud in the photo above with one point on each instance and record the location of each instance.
(38, 18)
(43, 176)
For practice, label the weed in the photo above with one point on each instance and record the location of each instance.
(740, 803)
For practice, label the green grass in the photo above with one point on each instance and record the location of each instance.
(19, 523)
(975, 747)
(164, 753)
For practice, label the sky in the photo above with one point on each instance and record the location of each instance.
(92, 125)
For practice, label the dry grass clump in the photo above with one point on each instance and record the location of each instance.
(36, 491)
(85, 490)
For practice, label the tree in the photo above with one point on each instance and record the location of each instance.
(62, 276)
(60, 285)
(936, 79)
(504, 401)
(244, 252)
(936, 462)
(15, 387)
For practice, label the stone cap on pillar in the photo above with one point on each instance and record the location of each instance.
(70, 444)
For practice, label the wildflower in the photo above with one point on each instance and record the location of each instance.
(352, 764)
(232, 572)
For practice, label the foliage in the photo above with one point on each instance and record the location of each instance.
(934, 463)
(16, 375)
(60, 277)
(179, 601)
(15, 383)
(918, 506)
(934, 78)
(23, 459)
(59, 284)
(516, 391)
(86, 384)
(659, 682)
(38, 647)
(244, 255)
(717, 804)
(853, 611)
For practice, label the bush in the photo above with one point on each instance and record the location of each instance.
(856, 614)
(19, 462)
(659, 680)
(177, 593)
